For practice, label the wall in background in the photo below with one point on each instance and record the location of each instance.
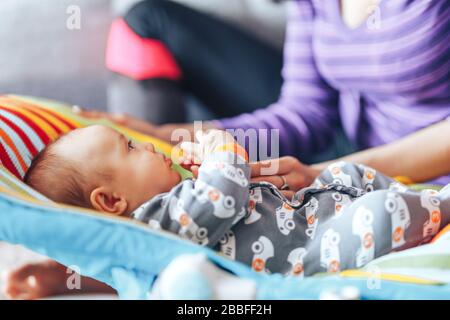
(40, 56)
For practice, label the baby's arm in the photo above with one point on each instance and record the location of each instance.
(353, 175)
(204, 209)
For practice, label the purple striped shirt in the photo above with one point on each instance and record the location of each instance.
(381, 81)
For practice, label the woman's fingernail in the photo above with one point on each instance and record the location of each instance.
(120, 118)
(76, 109)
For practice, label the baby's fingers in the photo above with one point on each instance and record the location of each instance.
(192, 152)
(190, 148)
(199, 135)
(194, 170)
(288, 194)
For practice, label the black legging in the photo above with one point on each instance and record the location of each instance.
(228, 70)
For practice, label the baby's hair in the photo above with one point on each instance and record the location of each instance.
(57, 177)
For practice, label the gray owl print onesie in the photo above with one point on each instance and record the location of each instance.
(349, 216)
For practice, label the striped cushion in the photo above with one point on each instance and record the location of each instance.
(25, 128)
(9, 184)
(28, 124)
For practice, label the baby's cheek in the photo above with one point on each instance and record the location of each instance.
(156, 176)
(148, 184)
(150, 173)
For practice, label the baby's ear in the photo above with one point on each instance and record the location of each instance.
(103, 199)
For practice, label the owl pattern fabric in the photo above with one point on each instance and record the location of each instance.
(349, 216)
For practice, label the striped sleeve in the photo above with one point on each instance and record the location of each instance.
(306, 112)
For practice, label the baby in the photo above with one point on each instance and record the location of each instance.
(338, 223)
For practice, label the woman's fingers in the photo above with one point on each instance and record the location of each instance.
(194, 170)
(289, 194)
(296, 174)
(91, 114)
(192, 150)
(278, 182)
(294, 180)
(275, 180)
(268, 167)
(278, 166)
(257, 167)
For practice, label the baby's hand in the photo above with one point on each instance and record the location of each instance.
(208, 142)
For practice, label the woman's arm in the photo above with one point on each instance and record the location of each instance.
(421, 156)
(306, 114)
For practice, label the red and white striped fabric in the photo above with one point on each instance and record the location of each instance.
(25, 129)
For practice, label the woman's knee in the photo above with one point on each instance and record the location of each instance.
(152, 18)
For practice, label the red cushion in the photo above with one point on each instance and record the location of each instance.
(136, 57)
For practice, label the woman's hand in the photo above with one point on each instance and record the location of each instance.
(286, 169)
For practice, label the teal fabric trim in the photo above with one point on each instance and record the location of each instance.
(128, 256)
(369, 289)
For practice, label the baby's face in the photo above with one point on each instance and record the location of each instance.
(138, 172)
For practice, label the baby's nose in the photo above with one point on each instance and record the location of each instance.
(149, 147)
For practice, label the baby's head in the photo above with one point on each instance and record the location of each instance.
(97, 167)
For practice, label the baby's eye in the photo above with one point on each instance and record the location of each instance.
(130, 145)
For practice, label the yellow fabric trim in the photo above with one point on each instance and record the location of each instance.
(39, 122)
(404, 180)
(30, 199)
(388, 277)
(44, 113)
(441, 233)
(50, 118)
(21, 195)
(235, 148)
(64, 111)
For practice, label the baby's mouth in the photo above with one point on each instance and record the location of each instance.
(167, 160)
